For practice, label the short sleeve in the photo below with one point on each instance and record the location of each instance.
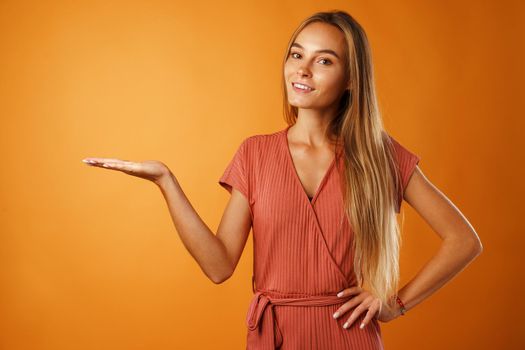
(236, 173)
(406, 161)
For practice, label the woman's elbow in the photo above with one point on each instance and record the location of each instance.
(478, 247)
(221, 279)
(474, 245)
(469, 243)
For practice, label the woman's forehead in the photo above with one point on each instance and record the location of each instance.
(320, 36)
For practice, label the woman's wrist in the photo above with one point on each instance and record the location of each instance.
(396, 306)
(164, 179)
(399, 305)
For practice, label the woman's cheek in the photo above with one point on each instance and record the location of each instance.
(330, 88)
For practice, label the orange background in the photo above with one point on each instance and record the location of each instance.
(90, 258)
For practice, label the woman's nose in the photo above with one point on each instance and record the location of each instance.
(303, 71)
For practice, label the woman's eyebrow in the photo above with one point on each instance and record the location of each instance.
(332, 52)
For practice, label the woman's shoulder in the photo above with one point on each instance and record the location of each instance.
(264, 140)
(401, 151)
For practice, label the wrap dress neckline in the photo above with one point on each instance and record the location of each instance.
(310, 200)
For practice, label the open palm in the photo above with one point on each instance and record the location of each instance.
(152, 170)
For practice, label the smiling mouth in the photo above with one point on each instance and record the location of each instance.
(302, 87)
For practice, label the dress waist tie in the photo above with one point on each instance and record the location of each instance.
(270, 332)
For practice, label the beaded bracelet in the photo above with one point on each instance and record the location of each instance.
(402, 309)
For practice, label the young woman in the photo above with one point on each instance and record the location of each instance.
(322, 197)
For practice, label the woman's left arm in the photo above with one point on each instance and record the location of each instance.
(460, 245)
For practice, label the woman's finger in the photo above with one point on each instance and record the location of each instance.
(351, 303)
(121, 165)
(95, 160)
(372, 312)
(355, 314)
(350, 291)
(115, 165)
(111, 163)
(102, 160)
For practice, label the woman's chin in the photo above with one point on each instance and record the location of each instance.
(299, 103)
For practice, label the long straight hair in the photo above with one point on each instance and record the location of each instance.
(371, 180)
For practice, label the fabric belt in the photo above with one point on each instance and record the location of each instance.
(270, 332)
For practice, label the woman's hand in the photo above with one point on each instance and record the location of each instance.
(150, 169)
(364, 301)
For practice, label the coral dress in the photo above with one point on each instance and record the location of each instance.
(302, 249)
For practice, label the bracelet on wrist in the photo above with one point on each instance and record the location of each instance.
(401, 304)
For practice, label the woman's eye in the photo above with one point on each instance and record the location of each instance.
(322, 59)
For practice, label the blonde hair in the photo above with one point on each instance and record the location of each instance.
(371, 179)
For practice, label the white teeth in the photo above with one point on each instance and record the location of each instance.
(301, 86)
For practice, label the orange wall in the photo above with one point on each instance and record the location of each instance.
(89, 258)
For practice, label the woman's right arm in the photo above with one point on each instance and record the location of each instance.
(217, 255)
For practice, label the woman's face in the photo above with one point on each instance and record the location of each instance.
(316, 59)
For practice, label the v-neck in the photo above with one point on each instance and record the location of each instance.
(296, 174)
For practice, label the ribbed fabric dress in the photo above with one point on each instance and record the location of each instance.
(302, 249)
